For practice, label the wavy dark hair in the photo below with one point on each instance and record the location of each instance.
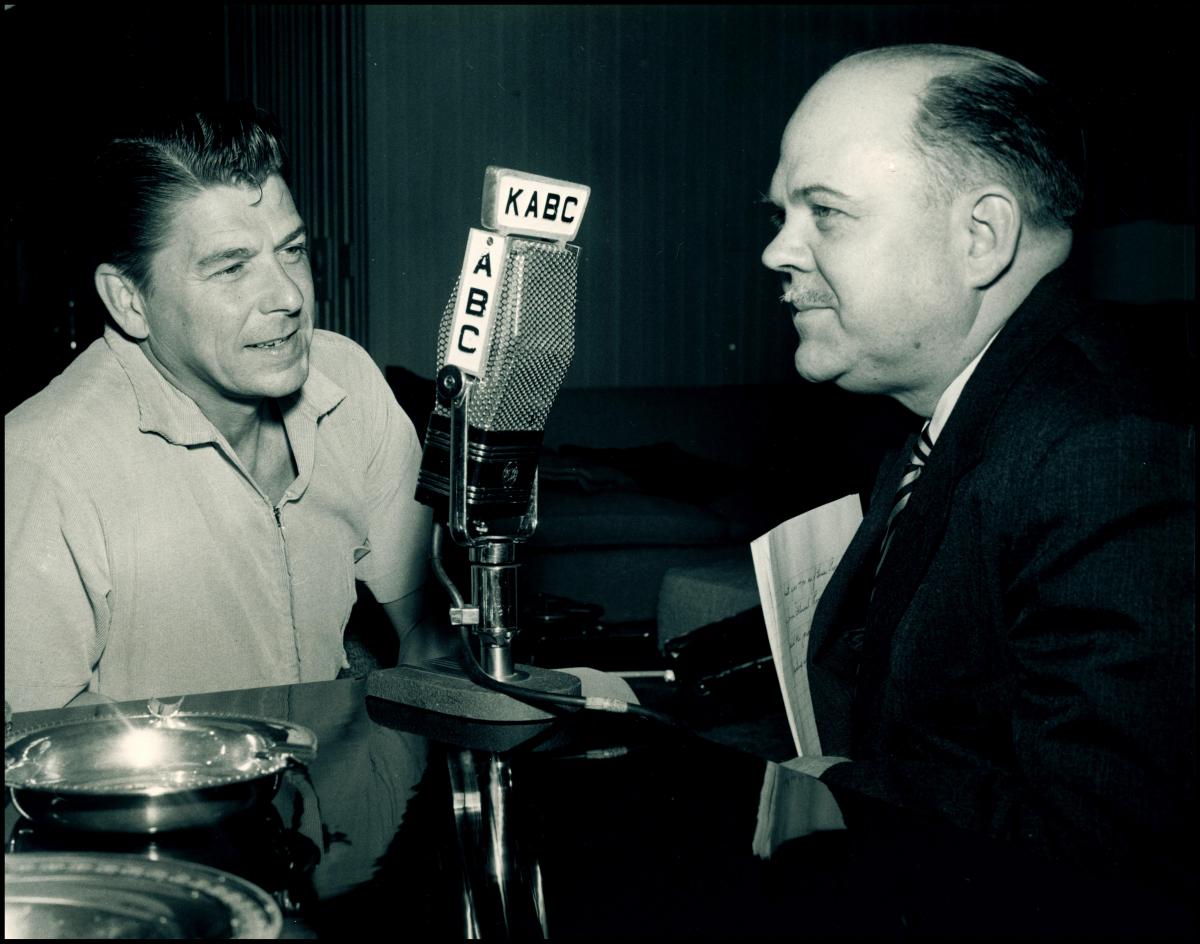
(140, 179)
(986, 115)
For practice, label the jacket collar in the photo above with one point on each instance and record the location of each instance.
(919, 530)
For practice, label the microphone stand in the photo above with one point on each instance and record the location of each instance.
(492, 615)
(443, 686)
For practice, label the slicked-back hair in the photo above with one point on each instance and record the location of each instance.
(985, 116)
(139, 180)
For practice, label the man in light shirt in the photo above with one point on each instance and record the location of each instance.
(1008, 642)
(189, 505)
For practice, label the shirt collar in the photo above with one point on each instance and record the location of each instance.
(318, 396)
(949, 398)
(169, 412)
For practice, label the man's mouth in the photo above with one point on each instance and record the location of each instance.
(274, 342)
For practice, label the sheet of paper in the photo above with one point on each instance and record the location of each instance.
(792, 563)
(791, 806)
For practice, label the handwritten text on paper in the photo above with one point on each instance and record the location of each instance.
(792, 563)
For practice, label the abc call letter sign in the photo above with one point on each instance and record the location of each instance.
(475, 306)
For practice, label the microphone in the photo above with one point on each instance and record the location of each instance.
(509, 328)
(505, 342)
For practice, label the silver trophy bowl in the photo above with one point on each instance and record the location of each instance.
(150, 773)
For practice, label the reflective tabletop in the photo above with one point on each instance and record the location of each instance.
(597, 826)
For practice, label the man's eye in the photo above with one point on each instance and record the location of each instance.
(824, 217)
(297, 251)
(778, 218)
(233, 269)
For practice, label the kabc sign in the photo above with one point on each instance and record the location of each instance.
(531, 205)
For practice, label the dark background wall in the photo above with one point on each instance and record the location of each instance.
(672, 114)
(72, 76)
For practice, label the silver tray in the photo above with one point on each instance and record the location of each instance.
(148, 773)
(100, 895)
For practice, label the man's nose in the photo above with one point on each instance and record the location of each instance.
(788, 251)
(282, 292)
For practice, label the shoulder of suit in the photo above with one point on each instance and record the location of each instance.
(1089, 377)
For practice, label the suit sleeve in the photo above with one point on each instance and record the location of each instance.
(1099, 607)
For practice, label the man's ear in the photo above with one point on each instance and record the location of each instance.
(123, 300)
(993, 231)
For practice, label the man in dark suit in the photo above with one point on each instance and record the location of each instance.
(1009, 639)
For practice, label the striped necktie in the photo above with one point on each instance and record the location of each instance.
(920, 455)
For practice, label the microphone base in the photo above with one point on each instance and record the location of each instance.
(442, 686)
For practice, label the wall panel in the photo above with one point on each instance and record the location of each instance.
(305, 65)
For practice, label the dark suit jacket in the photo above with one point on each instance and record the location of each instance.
(1026, 667)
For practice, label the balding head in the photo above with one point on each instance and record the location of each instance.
(980, 116)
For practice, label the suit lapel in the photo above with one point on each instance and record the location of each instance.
(921, 527)
(840, 608)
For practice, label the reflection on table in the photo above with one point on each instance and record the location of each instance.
(595, 826)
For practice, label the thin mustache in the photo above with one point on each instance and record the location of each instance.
(806, 299)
